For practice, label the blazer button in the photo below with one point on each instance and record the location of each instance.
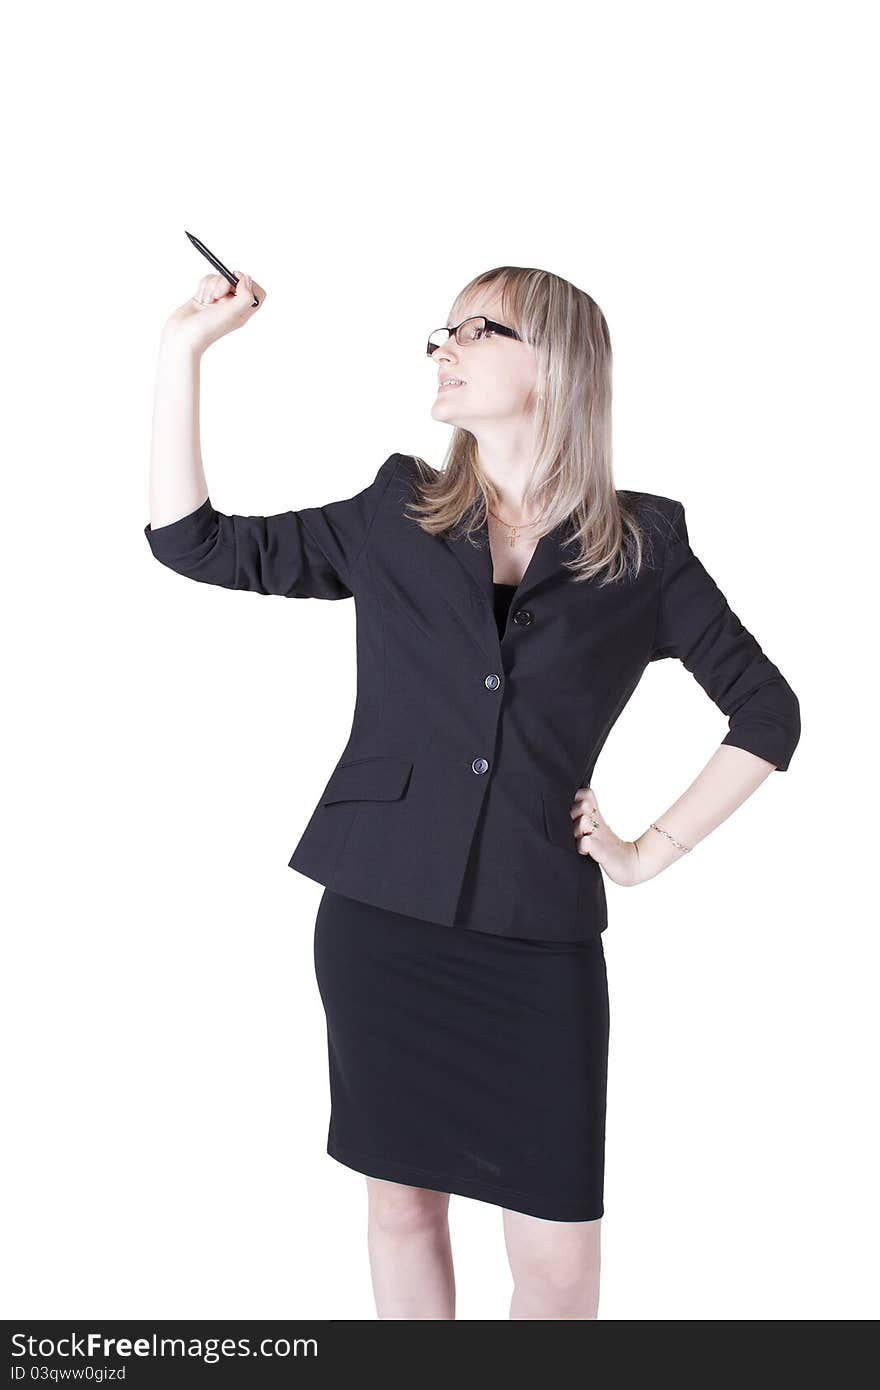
(523, 616)
(493, 681)
(479, 765)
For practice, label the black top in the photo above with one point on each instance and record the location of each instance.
(503, 593)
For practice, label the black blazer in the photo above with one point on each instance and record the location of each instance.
(451, 798)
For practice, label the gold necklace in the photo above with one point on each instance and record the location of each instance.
(514, 530)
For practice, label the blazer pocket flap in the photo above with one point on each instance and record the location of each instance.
(558, 823)
(368, 779)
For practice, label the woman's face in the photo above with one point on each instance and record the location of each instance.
(499, 374)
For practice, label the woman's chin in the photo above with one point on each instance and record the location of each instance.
(438, 409)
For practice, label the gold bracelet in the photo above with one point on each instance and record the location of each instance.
(677, 844)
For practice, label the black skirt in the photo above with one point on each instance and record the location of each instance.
(463, 1061)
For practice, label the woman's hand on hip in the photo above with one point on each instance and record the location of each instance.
(618, 858)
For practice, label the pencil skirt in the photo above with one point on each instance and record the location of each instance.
(463, 1061)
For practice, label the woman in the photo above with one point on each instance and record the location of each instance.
(507, 607)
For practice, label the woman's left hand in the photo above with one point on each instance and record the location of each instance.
(619, 858)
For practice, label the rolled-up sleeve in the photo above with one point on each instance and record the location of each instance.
(310, 553)
(696, 624)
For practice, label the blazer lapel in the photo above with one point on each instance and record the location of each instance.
(475, 557)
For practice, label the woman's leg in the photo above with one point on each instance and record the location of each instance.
(410, 1251)
(555, 1266)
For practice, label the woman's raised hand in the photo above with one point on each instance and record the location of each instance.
(216, 308)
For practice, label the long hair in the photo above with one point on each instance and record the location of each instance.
(571, 474)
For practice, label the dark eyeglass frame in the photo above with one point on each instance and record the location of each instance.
(487, 323)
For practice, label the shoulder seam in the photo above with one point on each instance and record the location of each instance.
(675, 511)
(391, 473)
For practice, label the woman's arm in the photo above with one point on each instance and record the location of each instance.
(177, 478)
(727, 780)
(696, 624)
(309, 553)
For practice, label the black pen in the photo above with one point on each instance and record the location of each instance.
(217, 264)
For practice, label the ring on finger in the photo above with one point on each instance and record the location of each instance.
(594, 824)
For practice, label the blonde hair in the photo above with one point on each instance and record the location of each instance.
(572, 470)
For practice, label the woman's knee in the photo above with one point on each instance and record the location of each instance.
(564, 1280)
(558, 1259)
(398, 1209)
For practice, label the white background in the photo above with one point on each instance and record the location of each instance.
(705, 172)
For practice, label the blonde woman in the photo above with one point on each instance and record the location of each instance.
(507, 607)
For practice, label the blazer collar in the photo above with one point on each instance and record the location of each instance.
(548, 560)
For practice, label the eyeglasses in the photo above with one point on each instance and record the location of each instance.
(470, 331)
